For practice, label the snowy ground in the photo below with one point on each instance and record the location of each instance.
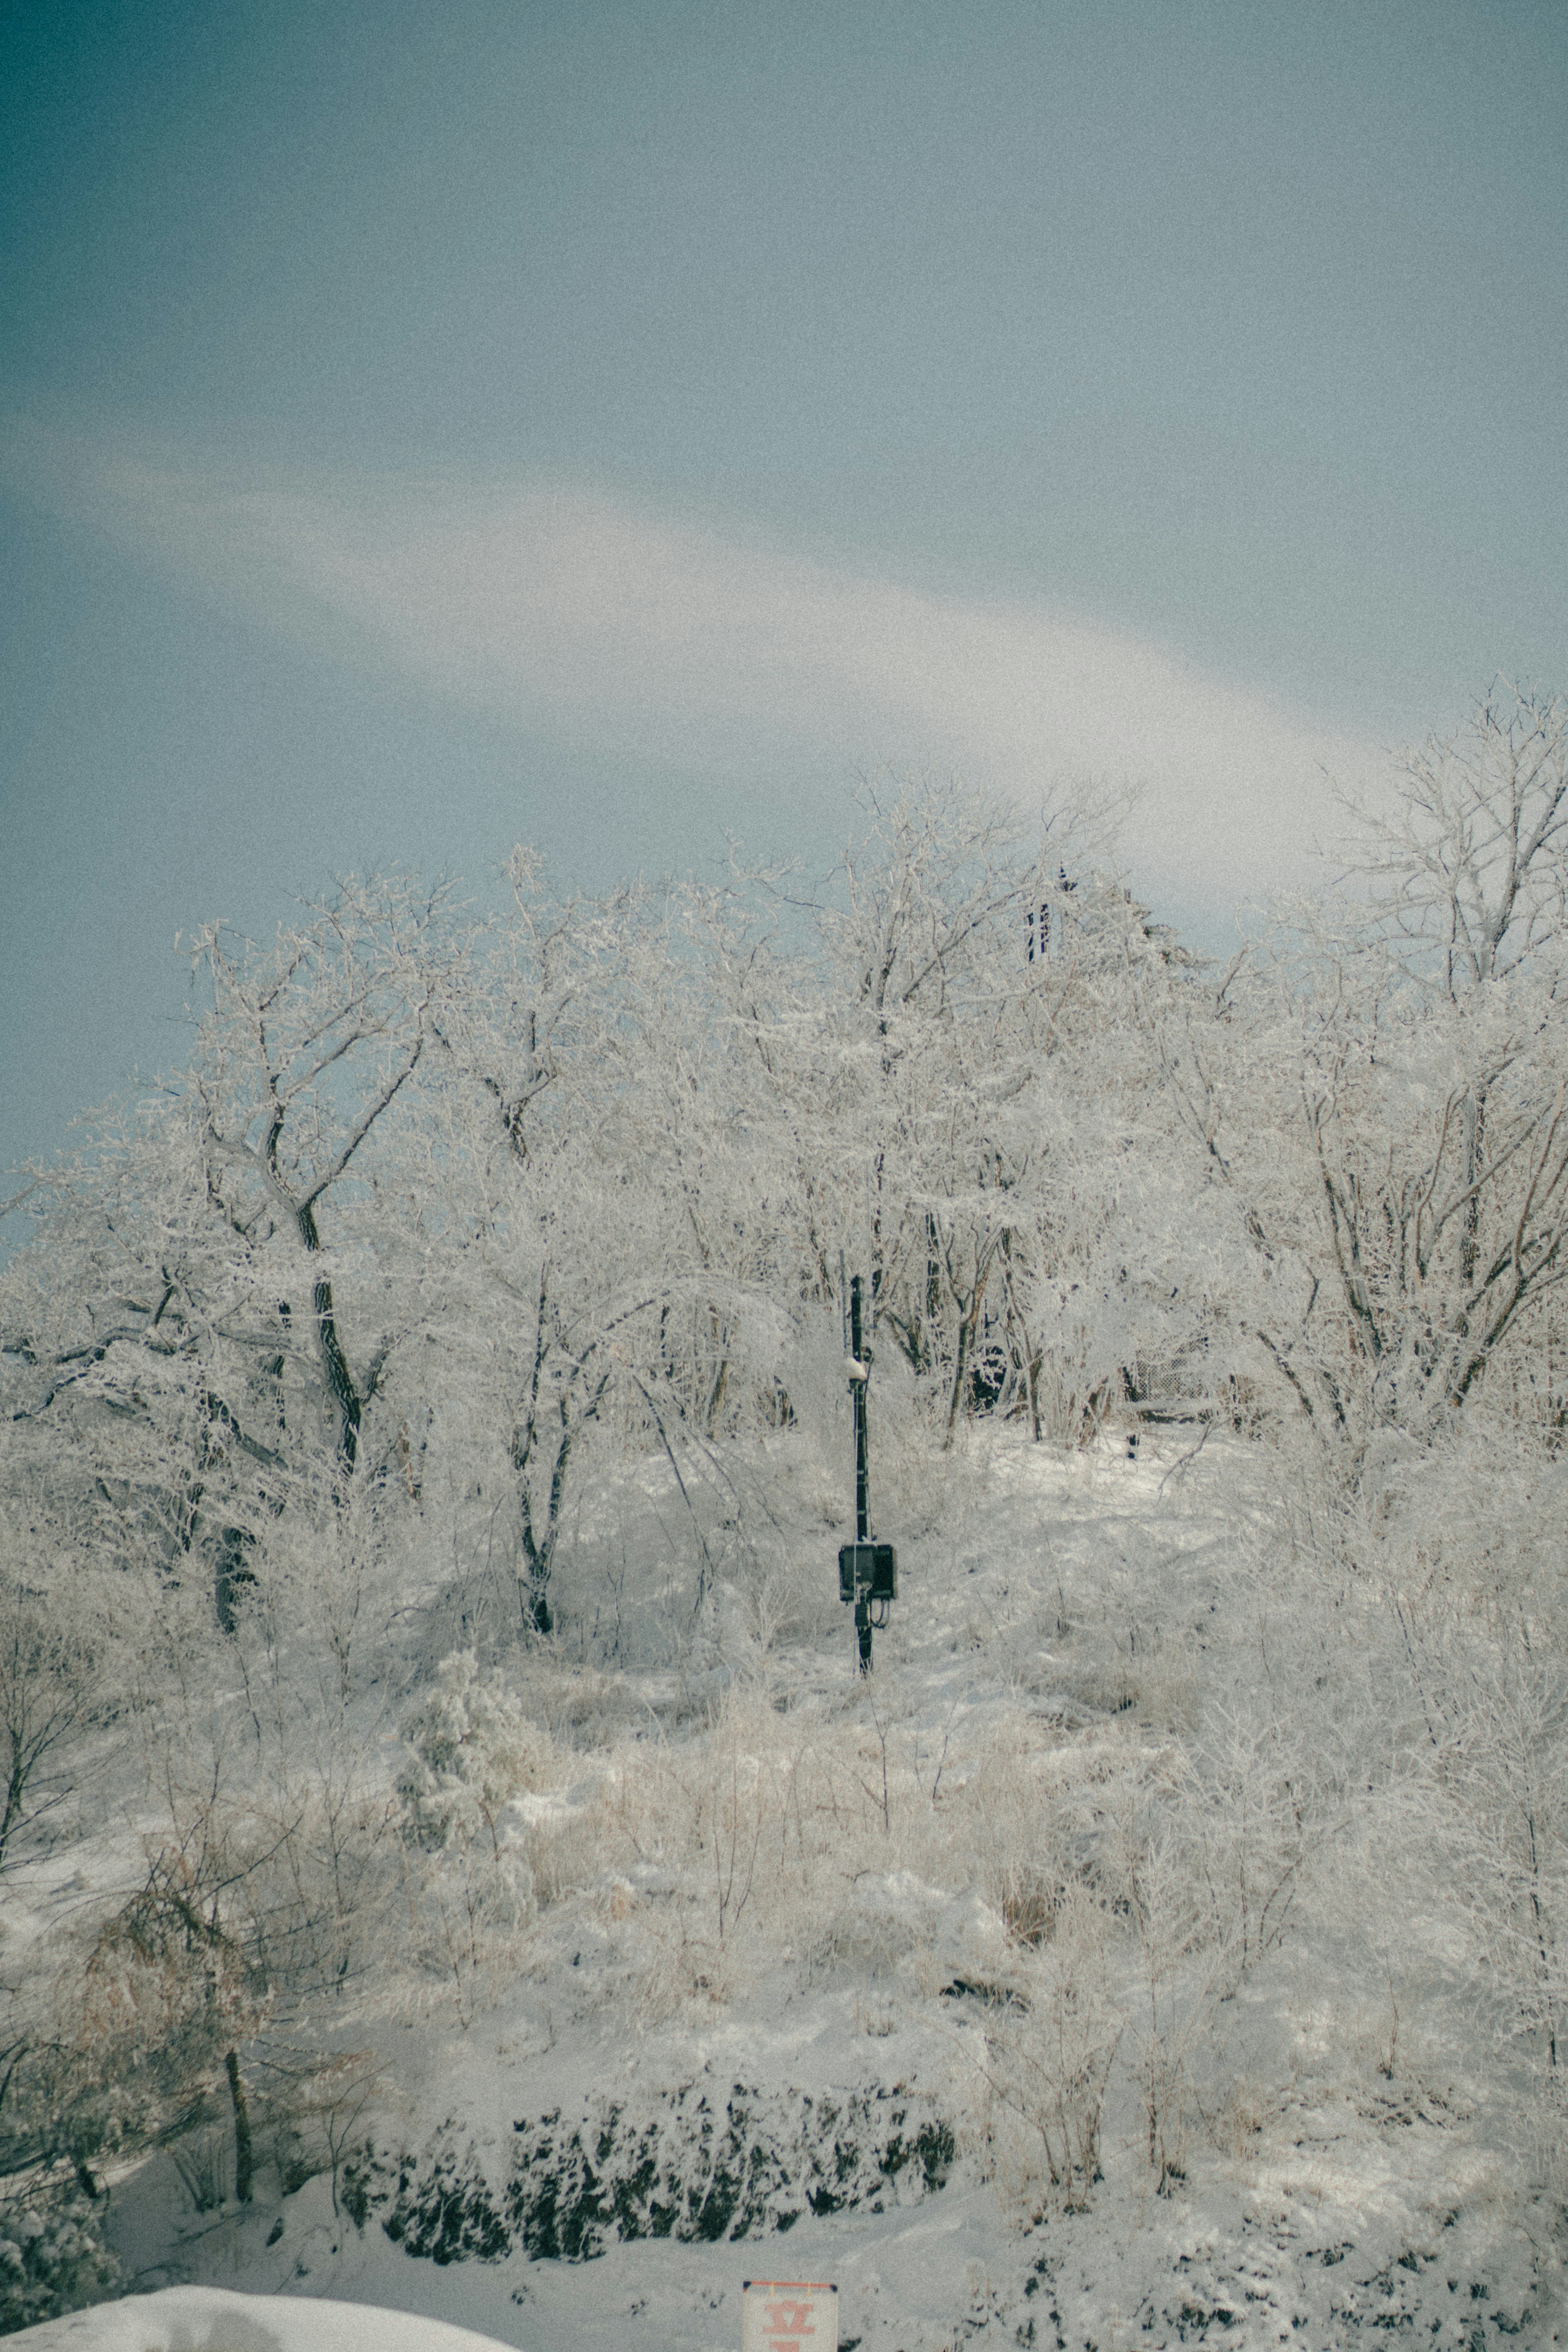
(1342, 2156)
(185, 2318)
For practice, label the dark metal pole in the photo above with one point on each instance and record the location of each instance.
(862, 1473)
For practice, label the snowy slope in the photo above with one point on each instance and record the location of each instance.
(660, 2100)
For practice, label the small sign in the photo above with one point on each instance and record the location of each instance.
(789, 2315)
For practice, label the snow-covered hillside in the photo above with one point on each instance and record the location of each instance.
(1076, 1883)
(449, 1858)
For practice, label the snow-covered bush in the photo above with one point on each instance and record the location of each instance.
(1250, 1821)
(52, 2258)
(470, 1749)
(50, 1671)
(1045, 2055)
(471, 1753)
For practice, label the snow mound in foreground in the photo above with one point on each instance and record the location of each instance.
(214, 2319)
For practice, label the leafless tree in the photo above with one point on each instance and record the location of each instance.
(1469, 869)
(48, 1681)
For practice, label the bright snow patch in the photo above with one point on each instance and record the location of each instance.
(213, 2319)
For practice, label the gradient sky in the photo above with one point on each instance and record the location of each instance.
(423, 428)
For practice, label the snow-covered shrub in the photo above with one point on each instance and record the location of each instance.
(1250, 1821)
(1506, 1775)
(1442, 1569)
(317, 2108)
(472, 1753)
(52, 2259)
(123, 2028)
(48, 1671)
(1179, 1971)
(1045, 2055)
(470, 1749)
(689, 2163)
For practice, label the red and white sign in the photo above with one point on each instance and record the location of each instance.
(789, 2315)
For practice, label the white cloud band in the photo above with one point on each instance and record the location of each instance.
(639, 636)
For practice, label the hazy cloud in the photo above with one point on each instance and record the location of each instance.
(616, 630)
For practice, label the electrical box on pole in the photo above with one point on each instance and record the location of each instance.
(868, 1572)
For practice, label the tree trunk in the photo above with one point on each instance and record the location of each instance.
(230, 1574)
(346, 1399)
(245, 2155)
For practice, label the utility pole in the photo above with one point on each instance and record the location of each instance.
(868, 1572)
(859, 1382)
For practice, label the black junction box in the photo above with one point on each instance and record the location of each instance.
(868, 1570)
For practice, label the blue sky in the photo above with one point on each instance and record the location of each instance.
(423, 428)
